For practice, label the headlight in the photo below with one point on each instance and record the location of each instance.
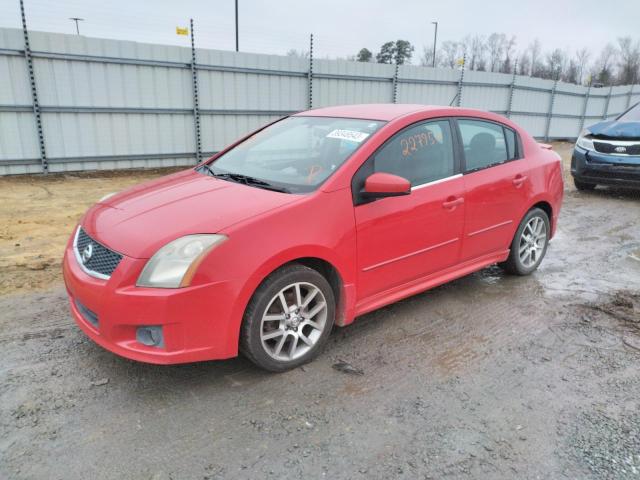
(174, 265)
(584, 141)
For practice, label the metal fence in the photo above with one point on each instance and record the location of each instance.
(69, 102)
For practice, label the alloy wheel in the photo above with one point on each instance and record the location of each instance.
(532, 242)
(293, 321)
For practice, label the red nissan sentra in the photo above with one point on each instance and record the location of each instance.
(306, 224)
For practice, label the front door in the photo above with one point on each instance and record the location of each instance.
(401, 239)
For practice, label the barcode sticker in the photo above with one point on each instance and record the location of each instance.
(348, 135)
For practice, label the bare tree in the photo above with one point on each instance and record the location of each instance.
(603, 66)
(509, 52)
(476, 51)
(582, 59)
(570, 74)
(495, 46)
(426, 60)
(535, 50)
(524, 63)
(450, 53)
(629, 61)
(556, 64)
(298, 53)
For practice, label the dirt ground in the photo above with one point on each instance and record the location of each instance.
(490, 376)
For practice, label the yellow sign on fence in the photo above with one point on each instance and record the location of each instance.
(182, 31)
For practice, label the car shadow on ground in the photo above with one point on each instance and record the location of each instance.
(623, 193)
(435, 321)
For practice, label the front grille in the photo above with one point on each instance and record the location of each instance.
(94, 257)
(608, 147)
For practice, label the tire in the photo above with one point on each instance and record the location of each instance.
(535, 221)
(277, 341)
(583, 186)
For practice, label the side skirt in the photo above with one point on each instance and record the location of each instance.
(425, 283)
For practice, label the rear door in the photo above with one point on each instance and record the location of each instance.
(400, 239)
(497, 186)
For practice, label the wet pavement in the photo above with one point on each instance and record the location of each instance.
(490, 376)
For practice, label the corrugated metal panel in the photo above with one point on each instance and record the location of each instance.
(377, 88)
(18, 136)
(596, 105)
(218, 131)
(97, 134)
(564, 127)
(248, 91)
(530, 101)
(534, 125)
(118, 104)
(566, 102)
(425, 93)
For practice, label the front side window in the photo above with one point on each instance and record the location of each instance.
(421, 153)
(296, 154)
(486, 143)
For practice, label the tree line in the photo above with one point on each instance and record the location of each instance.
(615, 64)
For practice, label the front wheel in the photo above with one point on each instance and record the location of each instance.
(289, 318)
(529, 244)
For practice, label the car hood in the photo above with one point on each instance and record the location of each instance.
(615, 129)
(140, 220)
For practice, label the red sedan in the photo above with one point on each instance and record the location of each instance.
(306, 224)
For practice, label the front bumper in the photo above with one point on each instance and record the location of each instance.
(604, 169)
(194, 320)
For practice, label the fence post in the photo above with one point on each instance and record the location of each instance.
(196, 103)
(606, 104)
(464, 61)
(310, 73)
(629, 95)
(395, 85)
(512, 87)
(584, 108)
(34, 92)
(550, 112)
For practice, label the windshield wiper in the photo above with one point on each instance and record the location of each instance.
(247, 180)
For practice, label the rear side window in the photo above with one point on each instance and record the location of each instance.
(486, 143)
(420, 153)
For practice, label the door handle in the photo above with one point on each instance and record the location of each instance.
(519, 180)
(452, 202)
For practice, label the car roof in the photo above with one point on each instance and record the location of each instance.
(370, 111)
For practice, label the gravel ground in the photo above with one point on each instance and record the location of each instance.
(490, 376)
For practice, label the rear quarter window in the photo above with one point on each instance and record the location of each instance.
(487, 143)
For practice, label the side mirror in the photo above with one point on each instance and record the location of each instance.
(382, 185)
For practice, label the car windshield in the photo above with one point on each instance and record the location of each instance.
(293, 155)
(631, 115)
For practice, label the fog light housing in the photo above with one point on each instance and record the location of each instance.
(150, 336)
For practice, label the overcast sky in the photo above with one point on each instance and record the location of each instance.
(341, 27)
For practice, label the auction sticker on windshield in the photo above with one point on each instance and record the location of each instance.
(348, 135)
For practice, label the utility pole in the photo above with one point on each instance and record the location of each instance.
(76, 19)
(435, 40)
(237, 42)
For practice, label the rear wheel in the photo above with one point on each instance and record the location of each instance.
(529, 244)
(580, 185)
(288, 320)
